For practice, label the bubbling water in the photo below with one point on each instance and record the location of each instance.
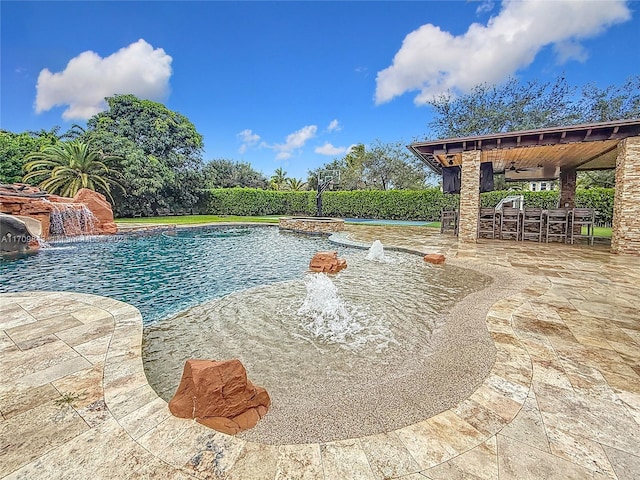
(327, 317)
(376, 252)
(362, 326)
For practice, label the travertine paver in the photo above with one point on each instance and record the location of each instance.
(561, 401)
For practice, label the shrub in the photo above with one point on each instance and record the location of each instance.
(423, 205)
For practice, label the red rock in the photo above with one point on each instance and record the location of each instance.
(247, 420)
(101, 209)
(219, 395)
(220, 424)
(25, 200)
(327, 262)
(435, 258)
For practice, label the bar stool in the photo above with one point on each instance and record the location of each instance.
(510, 223)
(487, 222)
(449, 221)
(557, 224)
(532, 222)
(582, 217)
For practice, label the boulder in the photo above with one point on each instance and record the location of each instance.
(101, 209)
(219, 395)
(13, 202)
(435, 258)
(14, 235)
(327, 262)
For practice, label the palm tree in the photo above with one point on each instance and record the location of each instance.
(278, 179)
(295, 185)
(66, 167)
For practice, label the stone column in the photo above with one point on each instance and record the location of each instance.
(567, 188)
(625, 237)
(469, 197)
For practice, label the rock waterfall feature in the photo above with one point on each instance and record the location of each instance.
(87, 213)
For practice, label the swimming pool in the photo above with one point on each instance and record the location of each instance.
(165, 273)
(353, 354)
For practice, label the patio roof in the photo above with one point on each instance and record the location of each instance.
(543, 151)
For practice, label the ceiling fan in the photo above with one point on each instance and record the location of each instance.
(515, 169)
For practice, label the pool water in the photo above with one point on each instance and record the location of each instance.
(317, 343)
(163, 274)
(353, 324)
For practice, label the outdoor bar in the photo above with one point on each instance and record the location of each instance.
(544, 154)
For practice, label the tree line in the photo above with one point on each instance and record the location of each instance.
(148, 159)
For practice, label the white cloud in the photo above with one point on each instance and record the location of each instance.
(485, 6)
(247, 136)
(248, 139)
(294, 141)
(334, 126)
(433, 61)
(138, 69)
(328, 149)
(569, 50)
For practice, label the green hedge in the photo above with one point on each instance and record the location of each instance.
(600, 199)
(256, 202)
(392, 204)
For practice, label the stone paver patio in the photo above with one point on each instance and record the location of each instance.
(562, 399)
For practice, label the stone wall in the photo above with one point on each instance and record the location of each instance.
(312, 225)
(35, 208)
(626, 205)
(469, 197)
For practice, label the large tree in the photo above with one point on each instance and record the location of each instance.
(161, 155)
(611, 103)
(381, 166)
(516, 105)
(14, 147)
(391, 166)
(143, 176)
(221, 173)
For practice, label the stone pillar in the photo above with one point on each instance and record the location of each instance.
(625, 236)
(567, 188)
(469, 197)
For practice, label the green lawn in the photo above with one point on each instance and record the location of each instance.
(604, 232)
(196, 219)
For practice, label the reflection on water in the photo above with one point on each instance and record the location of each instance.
(163, 274)
(359, 326)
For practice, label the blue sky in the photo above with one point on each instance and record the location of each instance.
(295, 84)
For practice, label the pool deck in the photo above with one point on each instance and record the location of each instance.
(562, 399)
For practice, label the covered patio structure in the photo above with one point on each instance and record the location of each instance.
(549, 153)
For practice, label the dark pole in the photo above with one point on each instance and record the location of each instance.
(322, 186)
(319, 200)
